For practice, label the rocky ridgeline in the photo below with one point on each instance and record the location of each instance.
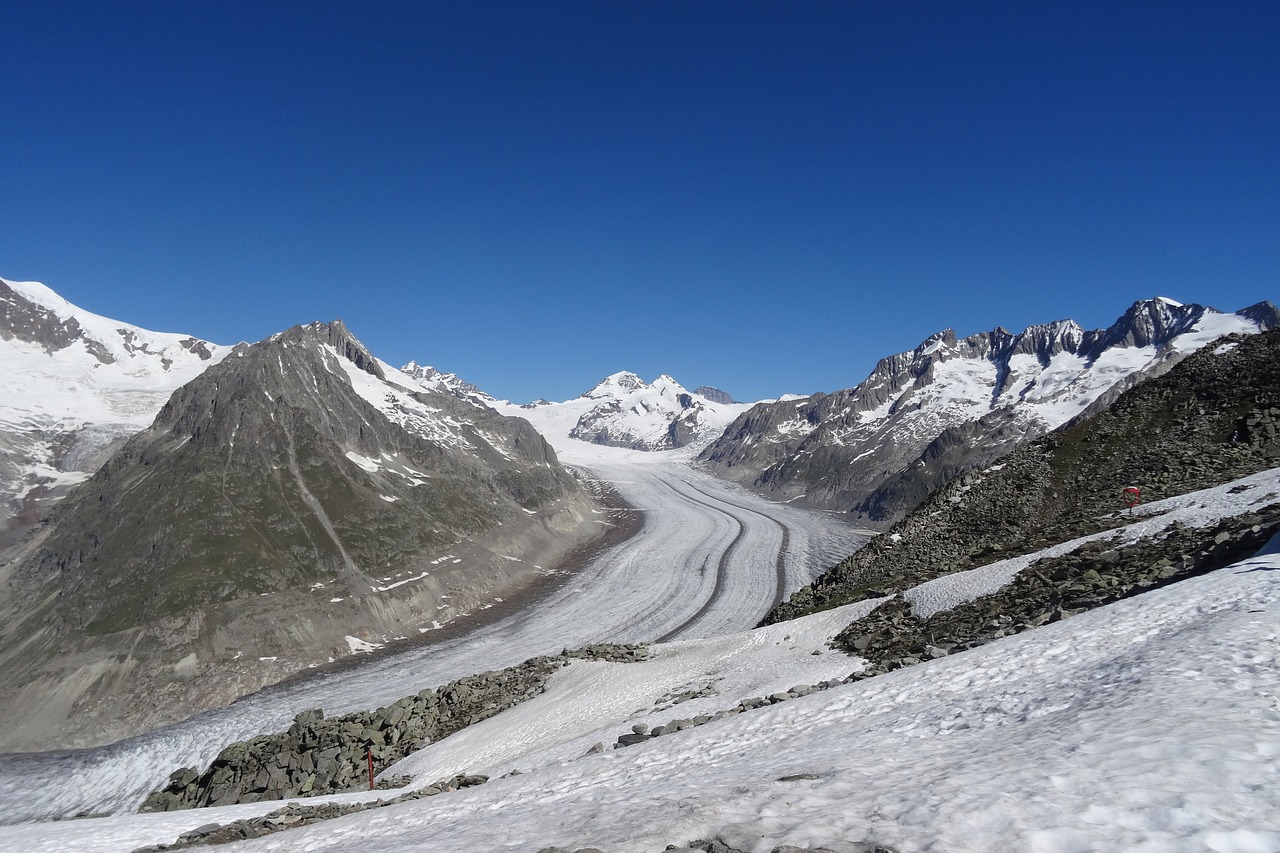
(1097, 573)
(1213, 418)
(640, 732)
(295, 815)
(327, 756)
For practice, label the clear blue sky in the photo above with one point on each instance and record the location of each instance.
(766, 197)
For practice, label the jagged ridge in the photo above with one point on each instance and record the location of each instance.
(952, 405)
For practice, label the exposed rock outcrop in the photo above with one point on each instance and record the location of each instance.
(325, 756)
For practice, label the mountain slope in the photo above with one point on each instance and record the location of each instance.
(1212, 418)
(286, 499)
(73, 387)
(952, 405)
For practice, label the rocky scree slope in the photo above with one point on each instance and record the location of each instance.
(288, 498)
(954, 405)
(1095, 574)
(1213, 418)
(73, 387)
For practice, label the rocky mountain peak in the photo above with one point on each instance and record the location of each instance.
(334, 334)
(616, 383)
(1148, 322)
(285, 498)
(1263, 313)
(447, 383)
(715, 395)
(1046, 340)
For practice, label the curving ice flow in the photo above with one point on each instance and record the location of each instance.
(709, 559)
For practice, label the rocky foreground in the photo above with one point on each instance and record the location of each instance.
(327, 756)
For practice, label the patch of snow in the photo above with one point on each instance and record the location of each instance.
(358, 646)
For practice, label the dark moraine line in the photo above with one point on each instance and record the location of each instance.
(780, 564)
(722, 567)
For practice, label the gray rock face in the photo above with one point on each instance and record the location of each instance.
(1213, 418)
(715, 395)
(953, 405)
(285, 499)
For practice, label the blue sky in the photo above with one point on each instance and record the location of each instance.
(766, 197)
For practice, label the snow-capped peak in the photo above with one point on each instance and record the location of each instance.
(667, 386)
(623, 410)
(616, 383)
(73, 383)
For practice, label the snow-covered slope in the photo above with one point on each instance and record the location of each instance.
(625, 411)
(954, 404)
(1152, 724)
(73, 385)
(426, 376)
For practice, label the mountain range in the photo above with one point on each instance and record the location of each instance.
(1022, 661)
(186, 522)
(951, 405)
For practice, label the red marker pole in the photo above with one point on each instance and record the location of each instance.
(370, 754)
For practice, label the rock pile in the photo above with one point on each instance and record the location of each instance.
(295, 815)
(640, 732)
(327, 756)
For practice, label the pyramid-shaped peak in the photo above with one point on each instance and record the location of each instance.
(334, 334)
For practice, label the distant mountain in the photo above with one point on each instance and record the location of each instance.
(623, 410)
(73, 386)
(294, 502)
(951, 405)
